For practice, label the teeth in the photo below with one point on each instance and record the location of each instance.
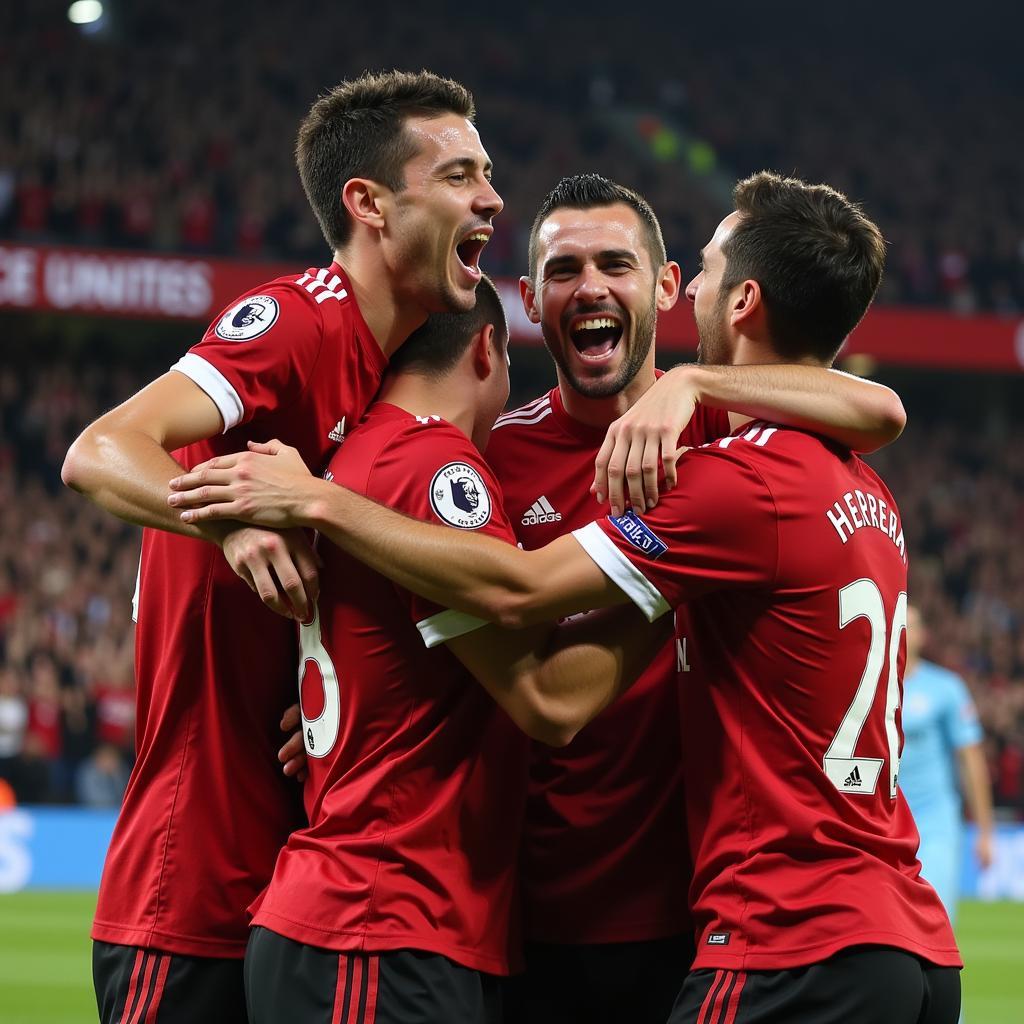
(480, 236)
(596, 323)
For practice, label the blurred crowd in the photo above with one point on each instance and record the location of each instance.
(67, 574)
(165, 131)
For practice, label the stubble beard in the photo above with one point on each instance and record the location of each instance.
(712, 347)
(643, 338)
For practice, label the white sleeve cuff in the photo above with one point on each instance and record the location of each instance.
(621, 571)
(138, 590)
(447, 625)
(215, 384)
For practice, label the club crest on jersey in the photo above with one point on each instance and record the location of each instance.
(459, 496)
(249, 319)
(639, 534)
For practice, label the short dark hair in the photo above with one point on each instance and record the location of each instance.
(584, 191)
(439, 344)
(357, 130)
(816, 256)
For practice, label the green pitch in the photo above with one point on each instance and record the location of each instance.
(45, 972)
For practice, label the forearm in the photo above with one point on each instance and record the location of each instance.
(453, 568)
(125, 471)
(859, 414)
(592, 660)
(976, 785)
(458, 569)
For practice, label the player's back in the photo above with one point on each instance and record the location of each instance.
(416, 779)
(214, 667)
(790, 653)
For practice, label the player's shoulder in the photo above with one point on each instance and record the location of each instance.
(298, 298)
(533, 418)
(763, 445)
(427, 463)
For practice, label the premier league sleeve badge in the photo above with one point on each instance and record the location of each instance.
(459, 497)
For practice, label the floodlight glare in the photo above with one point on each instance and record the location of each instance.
(85, 12)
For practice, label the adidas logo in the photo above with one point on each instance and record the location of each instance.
(338, 433)
(541, 511)
(853, 779)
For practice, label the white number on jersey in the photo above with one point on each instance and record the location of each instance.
(845, 770)
(321, 733)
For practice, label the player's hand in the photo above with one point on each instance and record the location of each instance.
(983, 849)
(281, 567)
(261, 486)
(293, 754)
(641, 440)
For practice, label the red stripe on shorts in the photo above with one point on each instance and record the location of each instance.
(373, 967)
(710, 998)
(734, 999)
(147, 978)
(133, 985)
(353, 1016)
(158, 987)
(339, 990)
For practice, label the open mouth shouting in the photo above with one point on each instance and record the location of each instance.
(596, 336)
(468, 251)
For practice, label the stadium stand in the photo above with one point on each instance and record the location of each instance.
(135, 137)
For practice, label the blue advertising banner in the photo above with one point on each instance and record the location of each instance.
(53, 847)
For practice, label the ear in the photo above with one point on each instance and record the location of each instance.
(485, 351)
(362, 199)
(529, 297)
(747, 305)
(666, 294)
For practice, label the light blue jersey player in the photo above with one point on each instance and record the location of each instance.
(942, 752)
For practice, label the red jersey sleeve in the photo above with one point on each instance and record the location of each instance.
(433, 472)
(717, 529)
(259, 354)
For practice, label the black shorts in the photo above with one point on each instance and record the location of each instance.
(146, 986)
(287, 981)
(865, 985)
(605, 983)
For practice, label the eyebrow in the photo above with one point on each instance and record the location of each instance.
(604, 256)
(467, 163)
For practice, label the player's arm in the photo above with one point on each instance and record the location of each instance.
(122, 462)
(977, 787)
(479, 575)
(551, 682)
(860, 414)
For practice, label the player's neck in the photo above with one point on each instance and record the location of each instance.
(422, 396)
(600, 412)
(391, 318)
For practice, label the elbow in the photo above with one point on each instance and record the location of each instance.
(74, 472)
(888, 419)
(548, 721)
(893, 417)
(551, 730)
(511, 609)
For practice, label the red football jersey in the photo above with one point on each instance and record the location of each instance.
(417, 779)
(605, 840)
(207, 808)
(785, 560)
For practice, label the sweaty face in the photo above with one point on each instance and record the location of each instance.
(595, 296)
(443, 215)
(710, 301)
